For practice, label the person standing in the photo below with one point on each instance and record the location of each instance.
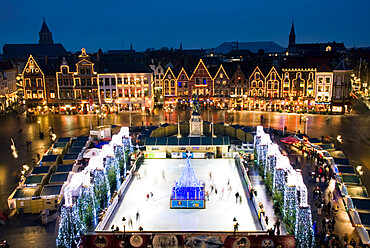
(277, 226)
(237, 196)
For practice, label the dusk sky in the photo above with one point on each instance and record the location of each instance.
(114, 24)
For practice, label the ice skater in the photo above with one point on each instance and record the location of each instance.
(130, 222)
(137, 216)
(237, 196)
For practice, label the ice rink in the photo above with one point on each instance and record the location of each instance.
(158, 176)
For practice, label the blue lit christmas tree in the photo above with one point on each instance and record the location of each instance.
(188, 187)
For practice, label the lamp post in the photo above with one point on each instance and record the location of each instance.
(41, 134)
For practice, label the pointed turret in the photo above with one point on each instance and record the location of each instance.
(45, 36)
(292, 36)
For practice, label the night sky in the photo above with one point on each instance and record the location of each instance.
(115, 24)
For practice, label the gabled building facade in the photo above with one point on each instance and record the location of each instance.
(257, 90)
(183, 92)
(239, 90)
(201, 83)
(222, 89)
(341, 87)
(169, 87)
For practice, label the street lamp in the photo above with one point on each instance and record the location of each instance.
(41, 134)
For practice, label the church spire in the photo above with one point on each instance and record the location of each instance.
(292, 36)
(45, 34)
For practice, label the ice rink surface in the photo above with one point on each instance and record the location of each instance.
(158, 176)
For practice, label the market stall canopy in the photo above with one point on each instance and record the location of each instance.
(100, 144)
(289, 140)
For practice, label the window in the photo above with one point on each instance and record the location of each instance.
(204, 80)
(179, 84)
(224, 82)
(260, 84)
(257, 75)
(113, 81)
(146, 92)
(106, 81)
(197, 80)
(64, 70)
(273, 76)
(276, 85)
(146, 80)
(156, 76)
(34, 94)
(319, 88)
(254, 84)
(65, 82)
(94, 81)
(88, 71)
(125, 80)
(172, 83)
(40, 95)
(82, 71)
(100, 82)
(77, 82)
(39, 84)
(327, 80)
(29, 94)
(326, 88)
(159, 70)
(269, 85)
(88, 82)
(83, 82)
(107, 93)
(182, 77)
(71, 81)
(51, 82)
(185, 84)
(119, 81)
(114, 94)
(320, 80)
(221, 75)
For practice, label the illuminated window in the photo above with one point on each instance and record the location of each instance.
(319, 88)
(125, 80)
(119, 81)
(260, 84)
(34, 94)
(221, 75)
(40, 95)
(326, 88)
(276, 85)
(224, 82)
(29, 94)
(327, 80)
(146, 80)
(107, 93)
(320, 80)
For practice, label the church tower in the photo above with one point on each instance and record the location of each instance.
(292, 36)
(45, 34)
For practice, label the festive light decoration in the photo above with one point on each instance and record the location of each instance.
(86, 203)
(303, 230)
(296, 211)
(188, 187)
(70, 227)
